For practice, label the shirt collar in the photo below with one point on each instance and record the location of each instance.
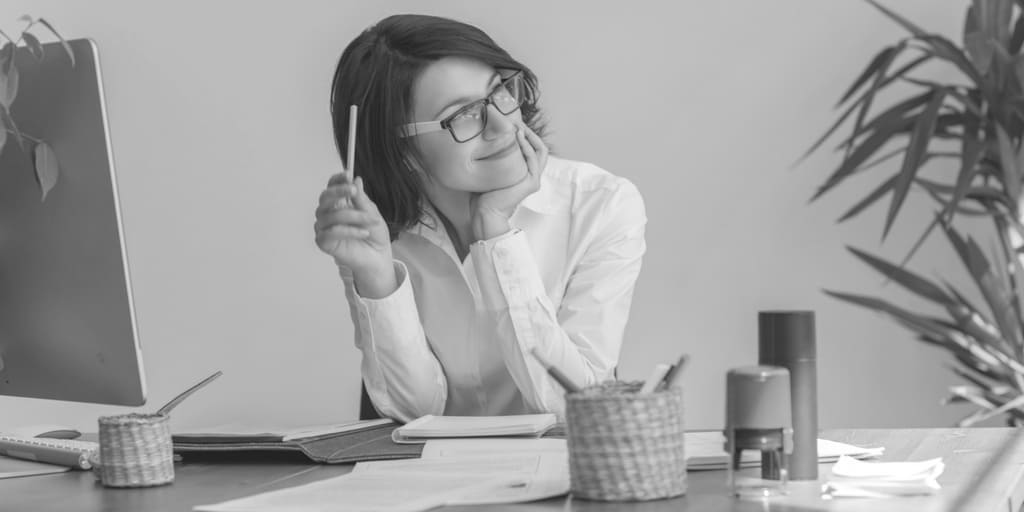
(545, 200)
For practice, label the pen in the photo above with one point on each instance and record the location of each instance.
(652, 382)
(350, 160)
(672, 377)
(555, 373)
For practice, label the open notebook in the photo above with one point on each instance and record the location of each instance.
(338, 444)
(434, 427)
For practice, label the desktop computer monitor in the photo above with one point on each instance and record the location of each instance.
(67, 322)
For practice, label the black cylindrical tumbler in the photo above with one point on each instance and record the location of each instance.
(786, 339)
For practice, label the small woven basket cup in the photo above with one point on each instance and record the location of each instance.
(626, 446)
(135, 450)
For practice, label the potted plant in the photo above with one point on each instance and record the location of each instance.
(974, 123)
(44, 160)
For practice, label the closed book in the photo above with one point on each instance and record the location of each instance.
(439, 427)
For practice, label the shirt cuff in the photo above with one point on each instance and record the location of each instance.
(506, 271)
(394, 316)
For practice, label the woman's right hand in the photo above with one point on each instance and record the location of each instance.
(351, 229)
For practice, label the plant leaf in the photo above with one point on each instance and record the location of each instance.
(973, 395)
(862, 98)
(1008, 405)
(996, 296)
(872, 68)
(876, 85)
(976, 41)
(979, 328)
(983, 381)
(1018, 66)
(871, 198)
(5, 116)
(913, 29)
(945, 49)
(1017, 38)
(960, 209)
(969, 104)
(935, 331)
(34, 46)
(920, 241)
(905, 278)
(916, 148)
(67, 47)
(861, 153)
(1008, 157)
(882, 159)
(971, 149)
(3, 136)
(891, 115)
(961, 300)
(47, 168)
(7, 54)
(8, 87)
(980, 193)
(916, 322)
(998, 24)
(1011, 271)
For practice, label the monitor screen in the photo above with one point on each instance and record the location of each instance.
(67, 322)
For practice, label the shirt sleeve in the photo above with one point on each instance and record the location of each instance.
(584, 335)
(402, 375)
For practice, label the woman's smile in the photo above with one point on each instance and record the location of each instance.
(503, 152)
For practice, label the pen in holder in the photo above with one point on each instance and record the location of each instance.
(625, 445)
(135, 449)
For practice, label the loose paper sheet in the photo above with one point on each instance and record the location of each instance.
(367, 492)
(537, 475)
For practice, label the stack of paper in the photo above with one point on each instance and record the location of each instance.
(430, 426)
(854, 478)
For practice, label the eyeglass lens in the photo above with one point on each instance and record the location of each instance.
(470, 121)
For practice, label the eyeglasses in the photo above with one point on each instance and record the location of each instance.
(470, 120)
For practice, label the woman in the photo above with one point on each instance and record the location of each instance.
(462, 245)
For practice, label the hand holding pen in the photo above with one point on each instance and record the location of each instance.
(350, 228)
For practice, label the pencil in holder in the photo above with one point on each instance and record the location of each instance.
(135, 450)
(625, 445)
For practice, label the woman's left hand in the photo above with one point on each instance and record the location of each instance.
(492, 210)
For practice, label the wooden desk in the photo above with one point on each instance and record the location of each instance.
(966, 452)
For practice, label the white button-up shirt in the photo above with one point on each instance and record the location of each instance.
(455, 337)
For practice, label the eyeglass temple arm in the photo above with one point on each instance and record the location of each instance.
(413, 129)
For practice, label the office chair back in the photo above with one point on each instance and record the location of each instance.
(366, 410)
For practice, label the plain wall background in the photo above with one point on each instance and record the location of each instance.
(220, 129)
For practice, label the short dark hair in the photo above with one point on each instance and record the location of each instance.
(376, 72)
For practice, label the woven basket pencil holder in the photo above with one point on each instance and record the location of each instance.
(135, 450)
(626, 446)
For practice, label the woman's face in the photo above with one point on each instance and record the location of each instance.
(490, 161)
